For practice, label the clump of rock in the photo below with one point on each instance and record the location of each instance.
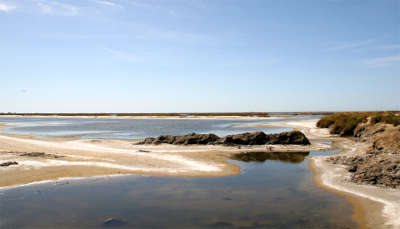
(253, 138)
(189, 139)
(371, 169)
(8, 163)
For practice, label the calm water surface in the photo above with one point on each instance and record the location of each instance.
(128, 128)
(271, 193)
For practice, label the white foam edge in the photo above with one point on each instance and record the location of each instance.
(391, 210)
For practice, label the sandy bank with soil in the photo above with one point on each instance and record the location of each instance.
(376, 207)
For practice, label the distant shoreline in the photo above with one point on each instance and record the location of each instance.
(183, 114)
(172, 116)
(161, 115)
(193, 117)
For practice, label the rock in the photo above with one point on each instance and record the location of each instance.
(189, 139)
(8, 163)
(112, 222)
(353, 169)
(164, 139)
(380, 170)
(144, 151)
(286, 138)
(198, 139)
(146, 141)
(254, 138)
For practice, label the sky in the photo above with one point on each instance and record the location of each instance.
(199, 55)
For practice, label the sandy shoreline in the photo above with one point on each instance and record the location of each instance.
(375, 207)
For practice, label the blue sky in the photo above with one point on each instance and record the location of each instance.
(198, 55)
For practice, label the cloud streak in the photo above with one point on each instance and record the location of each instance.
(107, 3)
(350, 45)
(383, 61)
(57, 8)
(7, 7)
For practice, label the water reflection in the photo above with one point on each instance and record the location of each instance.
(270, 194)
(293, 157)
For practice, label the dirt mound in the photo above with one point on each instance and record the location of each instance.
(372, 169)
(380, 164)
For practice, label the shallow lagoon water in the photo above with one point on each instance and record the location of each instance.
(270, 193)
(127, 128)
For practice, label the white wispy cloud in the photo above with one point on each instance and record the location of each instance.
(57, 8)
(122, 55)
(350, 45)
(383, 61)
(7, 7)
(44, 8)
(107, 3)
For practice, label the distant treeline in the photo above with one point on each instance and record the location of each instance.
(256, 114)
(303, 113)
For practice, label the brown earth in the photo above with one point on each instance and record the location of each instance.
(380, 163)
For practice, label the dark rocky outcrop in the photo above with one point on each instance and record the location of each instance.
(286, 138)
(8, 163)
(189, 139)
(260, 138)
(254, 138)
(371, 169)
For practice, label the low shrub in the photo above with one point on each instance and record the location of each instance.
(345, 123)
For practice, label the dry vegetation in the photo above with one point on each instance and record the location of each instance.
(345, 123)
(380, 163)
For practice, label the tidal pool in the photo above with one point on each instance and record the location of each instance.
(271, 192)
